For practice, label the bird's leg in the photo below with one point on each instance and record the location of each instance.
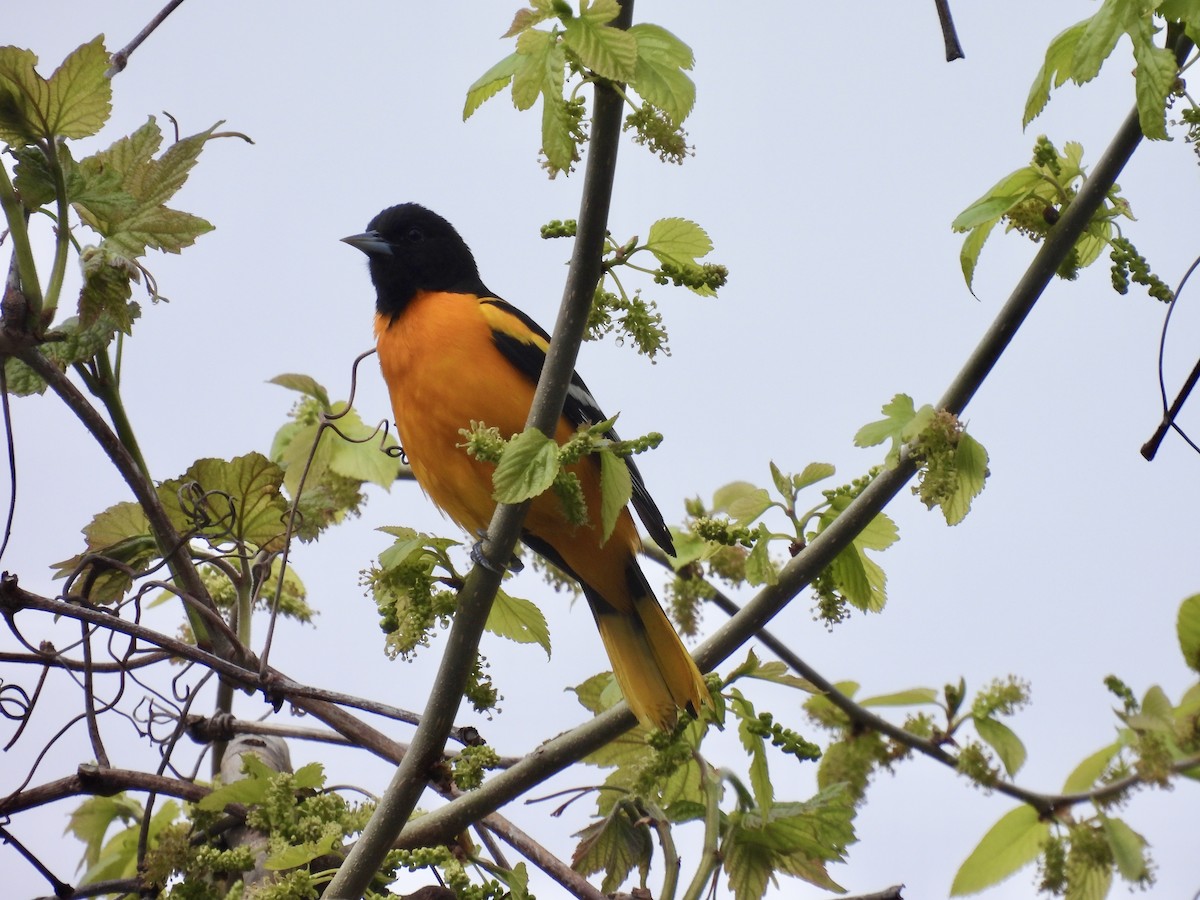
(478, 557)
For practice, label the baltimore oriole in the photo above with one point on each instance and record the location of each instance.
(452, 353)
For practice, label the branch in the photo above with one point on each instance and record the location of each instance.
(120, 59)
(475, 599)
(562, 751)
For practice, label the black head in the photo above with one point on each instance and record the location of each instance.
(413, 249)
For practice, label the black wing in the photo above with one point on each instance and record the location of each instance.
(527, 352)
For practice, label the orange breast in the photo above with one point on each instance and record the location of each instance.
(443, 372)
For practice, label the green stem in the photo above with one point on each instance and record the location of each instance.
(107, 390)
(62, 246)
(711, 855)
(18, 230)
(662, 827)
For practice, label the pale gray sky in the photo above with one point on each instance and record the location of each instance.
(833, 148)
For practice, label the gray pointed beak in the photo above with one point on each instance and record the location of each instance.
(370, 243)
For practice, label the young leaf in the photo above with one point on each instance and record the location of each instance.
(812, 473)
(614, 845)
(1128, 849)
(540, 69)
(678, 241)
(491, 83)
(971, 467)
(616, 487)
(243, 499)
(1087, 774)
(609, 52)
(1187, 627)
(1011, 844)
(528, 467)
(359, 455)
(659, 76)
(1054, 71)
(911, 697)
(518, 620)
(728, 494)
(305, 384)
(1004, 741)
(74, 102)
(759, 568)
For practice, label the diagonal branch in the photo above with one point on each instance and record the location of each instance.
(555, 755)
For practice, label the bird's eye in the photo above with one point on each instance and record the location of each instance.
(414, 235)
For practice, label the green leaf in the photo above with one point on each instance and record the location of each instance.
(728, 494)
(773, 671)
(759, 568)
(527, 468)
(119, 856)
(616, 487)
(1128, 849)
(241, 499)
(658, 77)
(1187, 627)
(1055, 70)
(749, 506)
(678, 241)
(900, 416)
(756, 748)
(1003, 740)
(358, 452)
(107, 287)
(91, 819)
(609, 52)
(518, 620)
(879, 534)
(540, 69)
(121, 533)
(971, 467)
(304, 384)
(1088, 773)
(491, 83)
(911, 697)
(295, 855)
(74, 103)
(558, 134)
(1155, 78)
(968, 256)
(1011, 844)
(295, 443)
(131, 217)
(812, 473)
(614, 845)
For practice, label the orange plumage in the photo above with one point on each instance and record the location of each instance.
(452, 353)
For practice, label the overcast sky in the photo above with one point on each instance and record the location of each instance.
(834, 145)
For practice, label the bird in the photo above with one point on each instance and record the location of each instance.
(453, 353)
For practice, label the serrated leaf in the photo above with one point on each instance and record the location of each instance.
(878, 534)
(678, 241)
(107, 287)
(1009, 845)
(968, 256)
(609, 52)
(658, 76)
(296, 456)
(119, 856)
(971, 468)
(74, 102)
(527, 468)
(246, 487)
(1004, 741)
(518, 620)
(540, 69)
(559, 142)
(811, 474)
(1187, 628)
(616, 487)
(783, 484)
(1054, 71)
(304, 384)
(527, 18)
(614, 845)
(759, 567)
(755, 747)
(910, 697)
(295, 855)
(491, 82)
(1128, 849)
(1155, 79)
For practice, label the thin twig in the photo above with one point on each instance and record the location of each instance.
(949, 33)
(120, 59)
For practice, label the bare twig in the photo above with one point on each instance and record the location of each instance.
(120, 59)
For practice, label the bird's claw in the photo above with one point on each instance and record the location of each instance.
(480, 558)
